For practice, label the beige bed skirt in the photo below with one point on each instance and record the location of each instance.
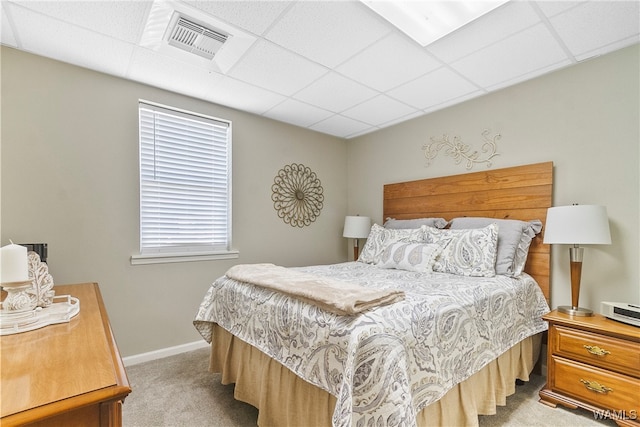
(285, 400)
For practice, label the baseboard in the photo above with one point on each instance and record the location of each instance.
(163, 352)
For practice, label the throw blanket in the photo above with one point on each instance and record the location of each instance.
(336, 296)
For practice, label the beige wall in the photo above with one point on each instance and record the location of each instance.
(585, 119)
(70, 178)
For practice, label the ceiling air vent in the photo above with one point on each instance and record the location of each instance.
(194, 38)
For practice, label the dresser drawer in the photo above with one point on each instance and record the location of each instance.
(598, 350)
(601, 388)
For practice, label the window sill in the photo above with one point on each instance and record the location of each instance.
(181, 257)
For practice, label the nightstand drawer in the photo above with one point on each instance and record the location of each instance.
(598, 350)
(599, 387)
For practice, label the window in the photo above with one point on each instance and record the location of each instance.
(185, 186)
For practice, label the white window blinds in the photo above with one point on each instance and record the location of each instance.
(185, 188)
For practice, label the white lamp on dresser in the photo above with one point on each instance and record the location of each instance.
(577, 225)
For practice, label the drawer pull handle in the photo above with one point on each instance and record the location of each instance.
(594, 349)
(595, 386)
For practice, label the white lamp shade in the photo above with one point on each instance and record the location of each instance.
(357, 227)
(577, 224)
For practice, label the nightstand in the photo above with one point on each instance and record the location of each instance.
(593, 363)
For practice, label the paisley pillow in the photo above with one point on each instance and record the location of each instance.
(466, 252)
(514, 239)
(380, 237)
(409, 256)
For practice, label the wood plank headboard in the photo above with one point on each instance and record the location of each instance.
(521, 192)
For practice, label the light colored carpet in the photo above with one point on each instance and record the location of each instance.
(180, 391)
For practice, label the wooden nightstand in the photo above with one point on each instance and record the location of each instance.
(69, 374)
(594, 363)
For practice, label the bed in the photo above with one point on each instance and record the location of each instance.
(451, 348)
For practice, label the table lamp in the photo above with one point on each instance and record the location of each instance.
(577, 225)
(356, 227)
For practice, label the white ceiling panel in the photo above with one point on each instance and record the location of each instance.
(242, 96)
(254, 16)
(594, 25)
(433, 89)
(552, 8)
(377, 66)
(379, 110)
(298, 113)
(121, 20)
(328, 34)
(7, 37)
(274, 68)
(331, 66)
(529, 50)
(324, 91)
(454, 101)
(507, 20)
(156, 70)
(69, 43)
(341, 126)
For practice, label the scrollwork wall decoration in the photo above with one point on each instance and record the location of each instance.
(462, 152)
(297, 195)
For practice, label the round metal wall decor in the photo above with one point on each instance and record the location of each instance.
(297, 195)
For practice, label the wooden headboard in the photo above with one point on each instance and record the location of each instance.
(521, 192)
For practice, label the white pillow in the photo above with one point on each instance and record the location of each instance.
(380, 237)
(466, 252)
(409, 256)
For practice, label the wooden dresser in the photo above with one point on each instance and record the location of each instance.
(594, 363)
(67, 374)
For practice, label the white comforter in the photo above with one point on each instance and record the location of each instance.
(387, 364)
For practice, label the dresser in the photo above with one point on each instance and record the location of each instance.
(594, 363)
(68, 374)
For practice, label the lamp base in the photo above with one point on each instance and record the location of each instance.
(575, 311)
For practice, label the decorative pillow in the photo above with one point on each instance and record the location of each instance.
(380, 237)
(514, 239)
(528, 234)
(466, 252)
(415, 223)
(409, 256)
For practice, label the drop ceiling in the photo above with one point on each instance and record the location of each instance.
(332, 66)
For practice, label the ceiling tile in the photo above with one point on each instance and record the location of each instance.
(433, 89)
(327, 35)
(487, 30)
(524, 52)
(335, 93)
(168, 73)
(410, 116)
(552, 8)
(377, 66)
(7, 37)
(297, 113)
(71, 44)
(595, 24)
(379, 110)
(274, 68)
(242, 96)
(333, 66)
(253, 16)
(119, 19)
(341, 126)
(530, 75)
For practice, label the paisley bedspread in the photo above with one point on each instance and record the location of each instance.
(384, 365)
